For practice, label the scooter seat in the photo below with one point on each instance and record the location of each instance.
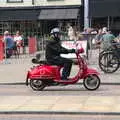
(44, 62)
(35, 61)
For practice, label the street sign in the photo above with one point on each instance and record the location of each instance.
(72, 45)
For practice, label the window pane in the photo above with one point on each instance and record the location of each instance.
(55, 0)
(14, 1)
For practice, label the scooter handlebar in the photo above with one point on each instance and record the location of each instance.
(81, 50)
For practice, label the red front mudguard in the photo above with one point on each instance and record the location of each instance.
(89, 71)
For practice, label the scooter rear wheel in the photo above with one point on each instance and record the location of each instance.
(37, 85)
(91, 82)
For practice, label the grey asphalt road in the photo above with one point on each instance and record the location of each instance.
(79, 90)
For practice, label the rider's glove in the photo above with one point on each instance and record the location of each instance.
(72, 51)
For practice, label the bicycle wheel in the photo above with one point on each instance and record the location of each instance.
(108, 62)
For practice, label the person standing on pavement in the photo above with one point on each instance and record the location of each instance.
(98, 38)
(53, 51)
(8, 44)
(19, 41)
(71, 32)
(106, 40)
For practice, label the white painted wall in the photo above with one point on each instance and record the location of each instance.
(64, 2)
(3, 3)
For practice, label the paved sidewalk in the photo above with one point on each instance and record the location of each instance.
(61, 104)
(14, 71)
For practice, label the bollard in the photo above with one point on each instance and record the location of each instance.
(32, 45)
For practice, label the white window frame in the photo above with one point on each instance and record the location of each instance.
(54, 0)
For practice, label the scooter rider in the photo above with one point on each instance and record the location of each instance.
(53, 51)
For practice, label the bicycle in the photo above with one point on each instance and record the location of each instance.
(109, 60)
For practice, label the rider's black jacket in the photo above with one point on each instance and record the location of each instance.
(54, 49)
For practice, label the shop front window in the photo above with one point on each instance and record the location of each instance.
(55, 0)
(27, 28)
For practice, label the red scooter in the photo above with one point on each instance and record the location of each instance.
(44, 75)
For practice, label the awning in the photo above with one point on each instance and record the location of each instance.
(58, 14)
(16, 15)
(104, 8)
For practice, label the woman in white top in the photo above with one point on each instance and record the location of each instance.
(18, 40)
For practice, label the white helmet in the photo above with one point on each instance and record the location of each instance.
(55, 30)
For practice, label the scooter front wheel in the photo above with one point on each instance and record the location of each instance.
(37, 85)
(91, 82)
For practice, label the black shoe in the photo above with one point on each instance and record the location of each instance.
(54, 84)
(62, 84)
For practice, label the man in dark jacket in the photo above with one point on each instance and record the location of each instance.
(53, 51)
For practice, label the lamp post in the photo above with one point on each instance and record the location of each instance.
(86, 13)
(33, 2)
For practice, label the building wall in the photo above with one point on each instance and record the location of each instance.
(4, 3)
(57, 2)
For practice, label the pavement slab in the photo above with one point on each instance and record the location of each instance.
(79, 104)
